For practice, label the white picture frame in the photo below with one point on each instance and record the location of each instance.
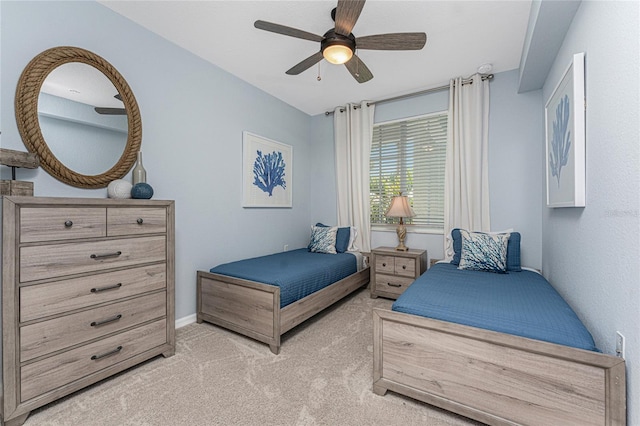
(565, 139)
(267, 172)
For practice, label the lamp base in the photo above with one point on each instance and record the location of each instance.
(402, 247)
(402, 233)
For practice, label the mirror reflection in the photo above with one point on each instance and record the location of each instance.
(82, 118)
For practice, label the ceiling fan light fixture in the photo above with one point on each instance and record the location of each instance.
(336, 48)
(337, 53)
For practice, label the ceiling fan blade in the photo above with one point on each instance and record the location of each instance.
(347, 14)
(306, 64)
(110, 111)
(392, 41)
(358, 69)
(288, 31)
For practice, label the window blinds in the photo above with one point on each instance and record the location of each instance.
(409, 155)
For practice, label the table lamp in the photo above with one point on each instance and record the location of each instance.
(400, 208)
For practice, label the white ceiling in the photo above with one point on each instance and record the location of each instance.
(461, 35)
(82, 83)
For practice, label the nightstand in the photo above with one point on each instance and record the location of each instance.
(392, 271)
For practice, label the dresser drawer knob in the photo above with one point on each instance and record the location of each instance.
(139, 221)
(68, 223)
(394, 285)
(111, 287)
(384, 264)
(106, 354)
(404, 266)
(104, 256)
(106, 321)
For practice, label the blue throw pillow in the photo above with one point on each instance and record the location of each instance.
(323, 239)
(342, 238)
(513, 253)
(483, 252)
(513, 250)
(457, 245)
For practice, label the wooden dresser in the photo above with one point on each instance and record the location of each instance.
(87, 291)
(392, 271)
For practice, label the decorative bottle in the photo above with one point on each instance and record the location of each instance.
(139, 174)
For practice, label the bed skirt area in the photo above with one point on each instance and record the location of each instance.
(493, 377)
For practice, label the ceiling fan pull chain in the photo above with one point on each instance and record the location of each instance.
(357, 66)
(319, 78)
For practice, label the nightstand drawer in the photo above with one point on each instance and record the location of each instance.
(405, 266)
(392, 284)
(385, 264)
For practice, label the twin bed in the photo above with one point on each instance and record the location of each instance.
(267, 296)
(498, 348)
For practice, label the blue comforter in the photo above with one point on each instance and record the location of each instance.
(519, 303)
(298, 273)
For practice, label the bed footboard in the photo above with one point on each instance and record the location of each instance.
(246, 307)
(493, 377)
(253, 309)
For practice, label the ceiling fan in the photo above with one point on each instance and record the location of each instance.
(112, 111)
(338, 45)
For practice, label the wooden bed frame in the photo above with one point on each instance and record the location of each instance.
(495, 378)
(253, 309)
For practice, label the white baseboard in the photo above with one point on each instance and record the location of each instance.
(190, 319)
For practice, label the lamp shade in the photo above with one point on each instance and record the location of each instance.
(400, 207)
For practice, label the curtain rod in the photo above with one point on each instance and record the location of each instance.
(422, 92)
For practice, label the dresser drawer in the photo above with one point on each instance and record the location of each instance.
(50, 373)
(48, 336)
(392, 284)
(405, 267)
(60, 223)
(123, 221)
(43, 300)
(58, 260)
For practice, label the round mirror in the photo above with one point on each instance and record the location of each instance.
(82, 118)
(77, 112)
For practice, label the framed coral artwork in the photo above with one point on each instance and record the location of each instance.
(565, 138)
(266, 172)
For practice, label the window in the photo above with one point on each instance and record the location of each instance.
(408, 155)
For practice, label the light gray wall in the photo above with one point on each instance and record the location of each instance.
(193, 116)
(515, 163)
(592, 254)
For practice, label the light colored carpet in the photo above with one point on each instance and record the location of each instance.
(323, 376)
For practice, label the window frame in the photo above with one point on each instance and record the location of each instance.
(411, 228)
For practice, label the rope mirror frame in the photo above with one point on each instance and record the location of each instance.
(26, 109)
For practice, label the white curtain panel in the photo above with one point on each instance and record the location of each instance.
(352, 134)
(466, 185)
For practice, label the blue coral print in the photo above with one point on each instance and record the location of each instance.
(561, 140)
(269, 171)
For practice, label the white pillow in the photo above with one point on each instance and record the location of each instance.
(353, 233)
